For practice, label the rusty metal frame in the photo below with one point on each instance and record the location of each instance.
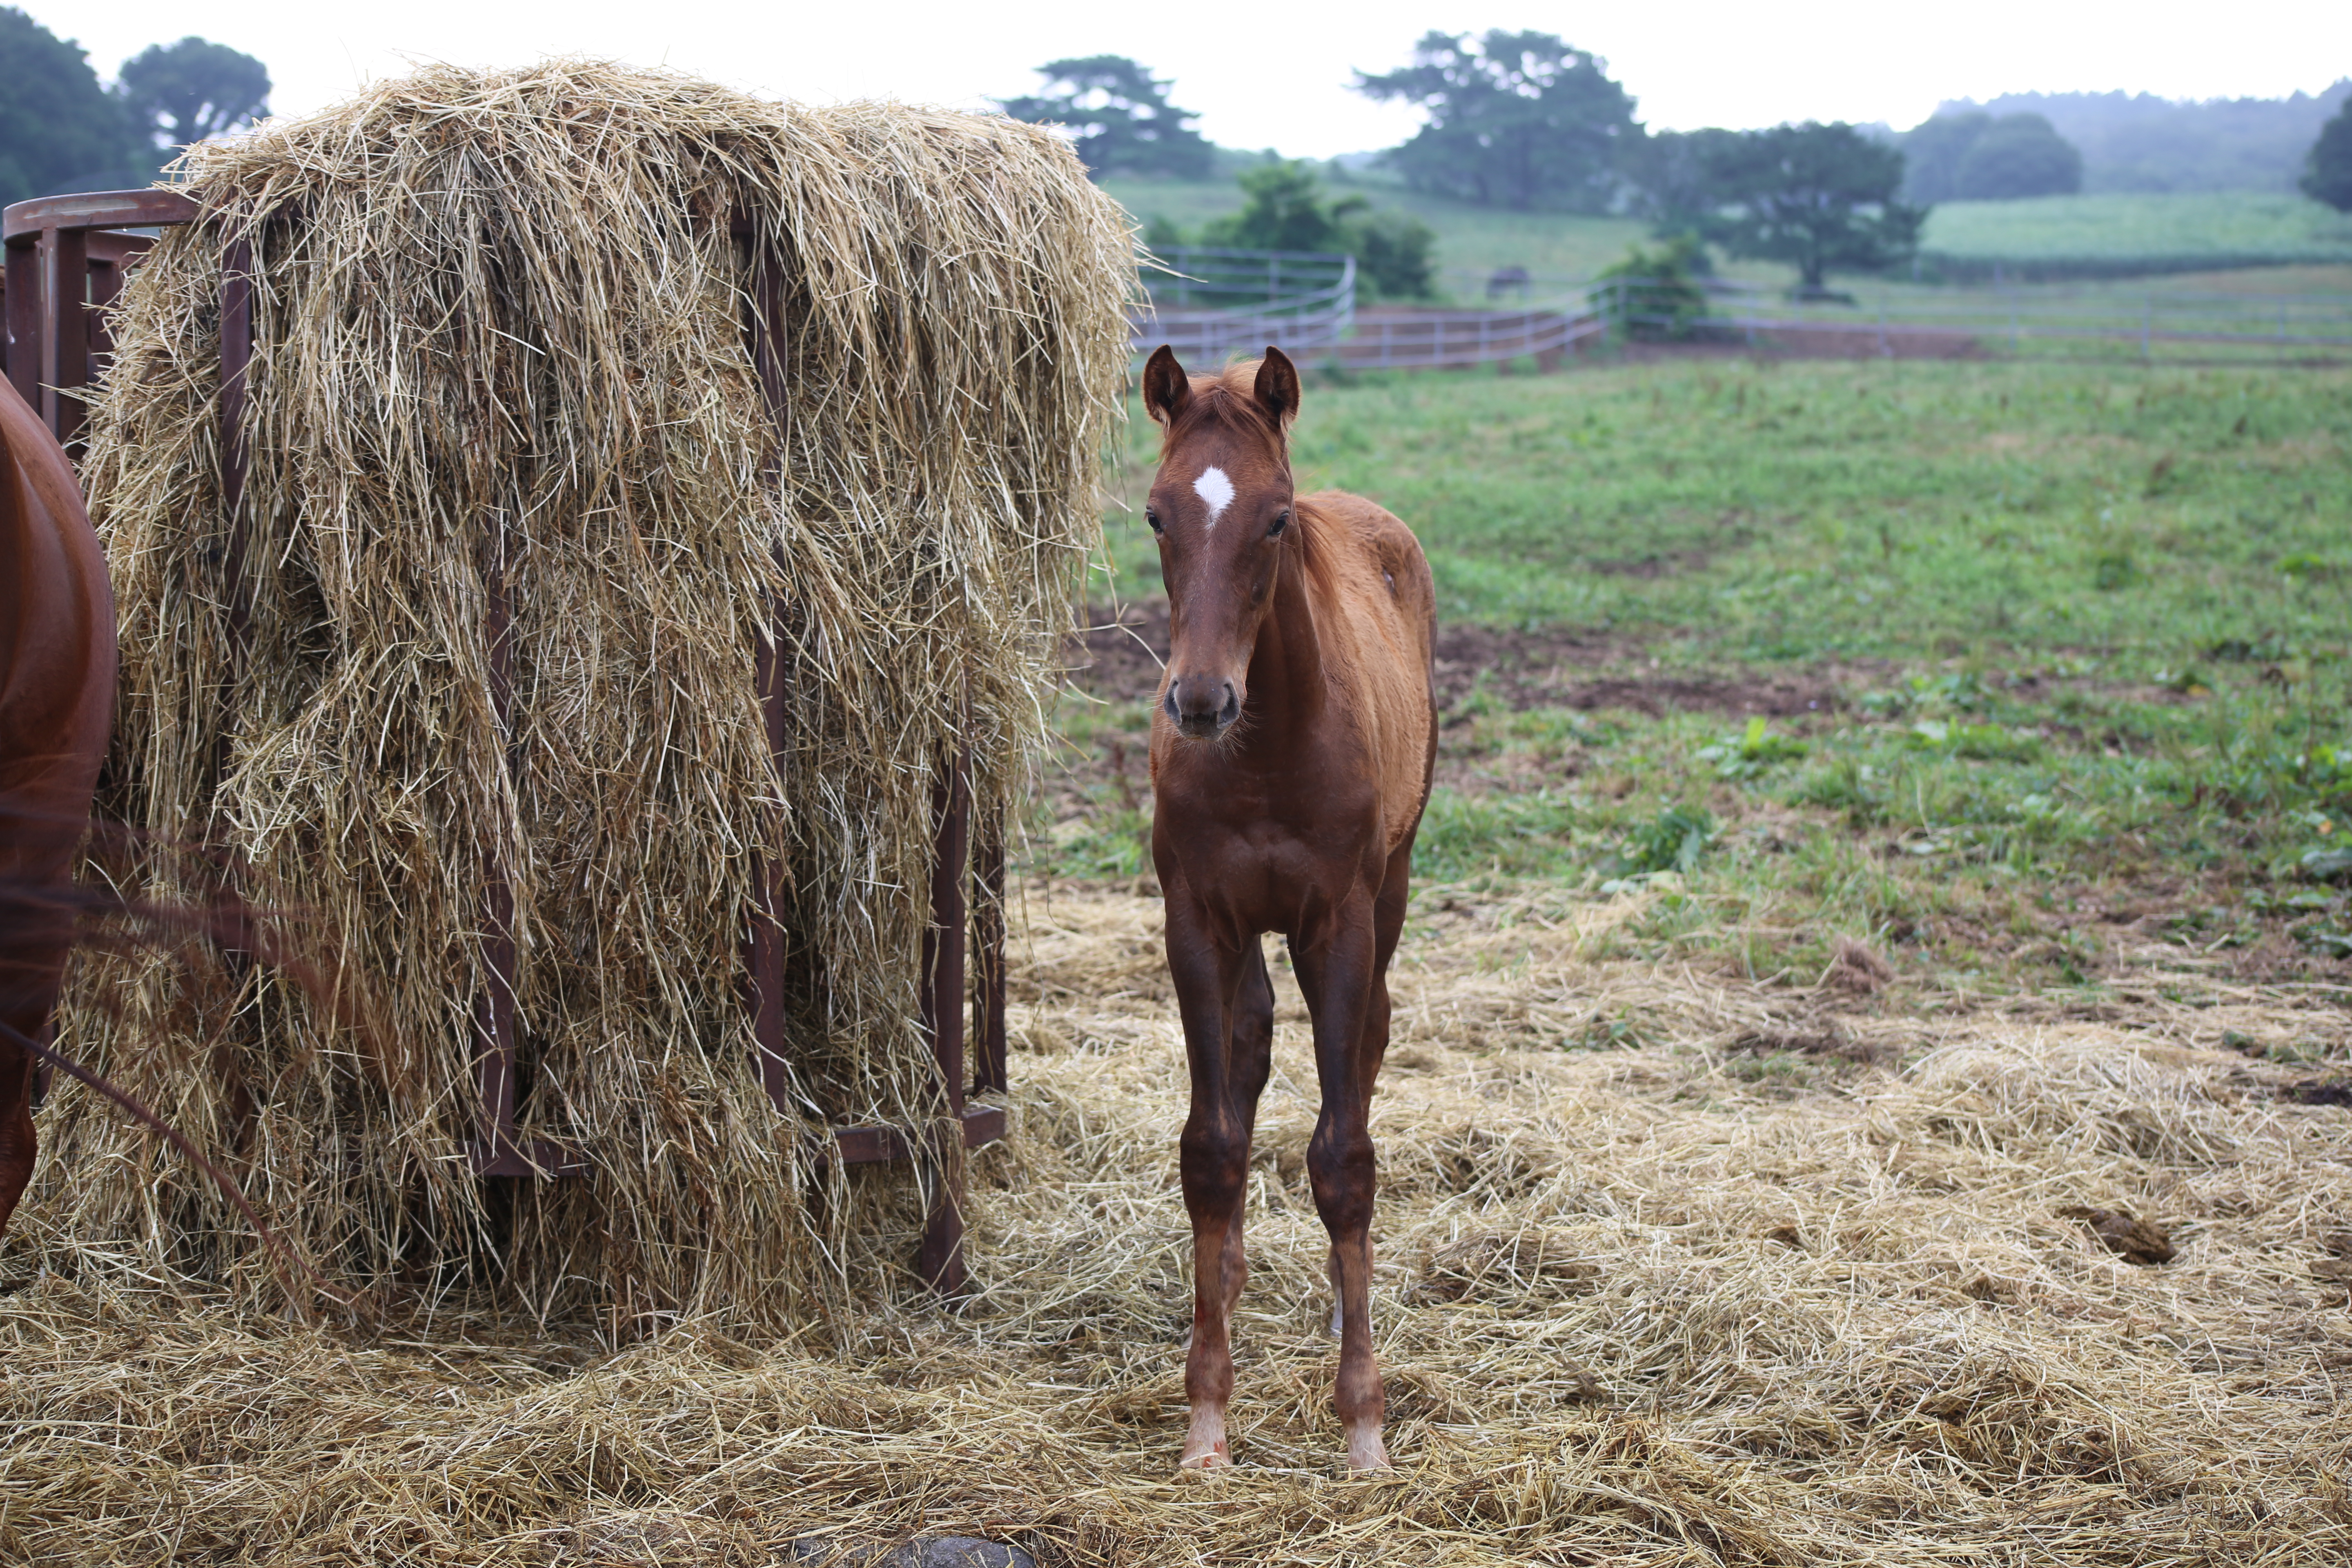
(66, 258)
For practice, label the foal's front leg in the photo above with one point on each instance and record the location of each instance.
(1338, 973)
(1227, 1003)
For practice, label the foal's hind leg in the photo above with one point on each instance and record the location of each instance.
(1373, 1045)
(1335, 972)
(1228, 1038)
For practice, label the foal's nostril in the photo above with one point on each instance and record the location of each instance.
(1201, 705)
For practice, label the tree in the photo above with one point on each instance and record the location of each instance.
(58, 130)
(1821, 198)
(2327, 167)
(2018, 156)
(1516, 120)
(1932, 153)
(1124, 123)
(1395, 254)
(1284, 209)
(2142, 142)
(181, 93)
(1669, 171)
(1974, 157)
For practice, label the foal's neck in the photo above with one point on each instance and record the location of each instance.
(1286, 671)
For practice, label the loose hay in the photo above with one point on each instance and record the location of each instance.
(1636, 1305)
(500, 335)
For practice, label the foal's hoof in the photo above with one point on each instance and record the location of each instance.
(1367, 1453)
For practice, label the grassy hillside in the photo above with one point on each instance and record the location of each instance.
(2305, 245)
(2120, 232)
(1473, 241)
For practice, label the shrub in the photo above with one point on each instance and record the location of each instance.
(1651, 295)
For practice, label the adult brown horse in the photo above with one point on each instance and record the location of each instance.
(57, 707)
(1290, 760)
(57, 702)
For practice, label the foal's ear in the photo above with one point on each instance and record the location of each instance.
(1277, 387)
(1166, 388)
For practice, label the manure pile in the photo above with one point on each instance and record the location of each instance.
(1672, 1269)
(500, 372)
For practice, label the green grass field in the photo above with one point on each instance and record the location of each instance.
(2182, 231)
(2035, 639)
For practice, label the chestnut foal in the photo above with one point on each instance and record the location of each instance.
(1290, 760)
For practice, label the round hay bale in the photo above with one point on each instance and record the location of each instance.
(521, 530)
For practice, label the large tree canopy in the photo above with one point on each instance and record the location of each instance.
(1516, 120)
(1124, 122)
(1819, 197)
(58, 130)
(183, 92)
(2327, 167)
(1974, 157)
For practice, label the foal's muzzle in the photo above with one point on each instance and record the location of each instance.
(1203, 707)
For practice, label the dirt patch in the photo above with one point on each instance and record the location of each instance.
(1818, 339)
(1118, 659)
(2129, 1237)
(1774, 697)
(1665, 564)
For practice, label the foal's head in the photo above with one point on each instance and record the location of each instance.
(1221, 506)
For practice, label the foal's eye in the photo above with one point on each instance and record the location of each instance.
(1151, 516)
(1281, 522)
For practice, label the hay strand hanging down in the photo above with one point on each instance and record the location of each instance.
(499, 371)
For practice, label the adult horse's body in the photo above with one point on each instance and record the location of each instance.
(1290, 761)
(57, 702)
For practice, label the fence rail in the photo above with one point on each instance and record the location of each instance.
(1427, 340)
(1206, 302)
(1211, 303)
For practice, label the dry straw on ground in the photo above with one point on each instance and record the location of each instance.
(501, 337)
(1644, 1296)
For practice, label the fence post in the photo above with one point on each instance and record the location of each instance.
(2148, 330)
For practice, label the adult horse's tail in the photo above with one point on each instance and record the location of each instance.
(41, 923)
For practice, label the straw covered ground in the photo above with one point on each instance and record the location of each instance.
(522, 521)
(1791, 1273)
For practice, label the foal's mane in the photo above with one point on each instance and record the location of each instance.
(1226, 397)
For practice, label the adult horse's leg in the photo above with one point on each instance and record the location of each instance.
(16, 1142)
(34, 931)
(1227, 1004)
(1336, 973)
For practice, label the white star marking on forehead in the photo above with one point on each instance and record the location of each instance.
(1216, 489)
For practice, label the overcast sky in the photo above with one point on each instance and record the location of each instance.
(1272, 75)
